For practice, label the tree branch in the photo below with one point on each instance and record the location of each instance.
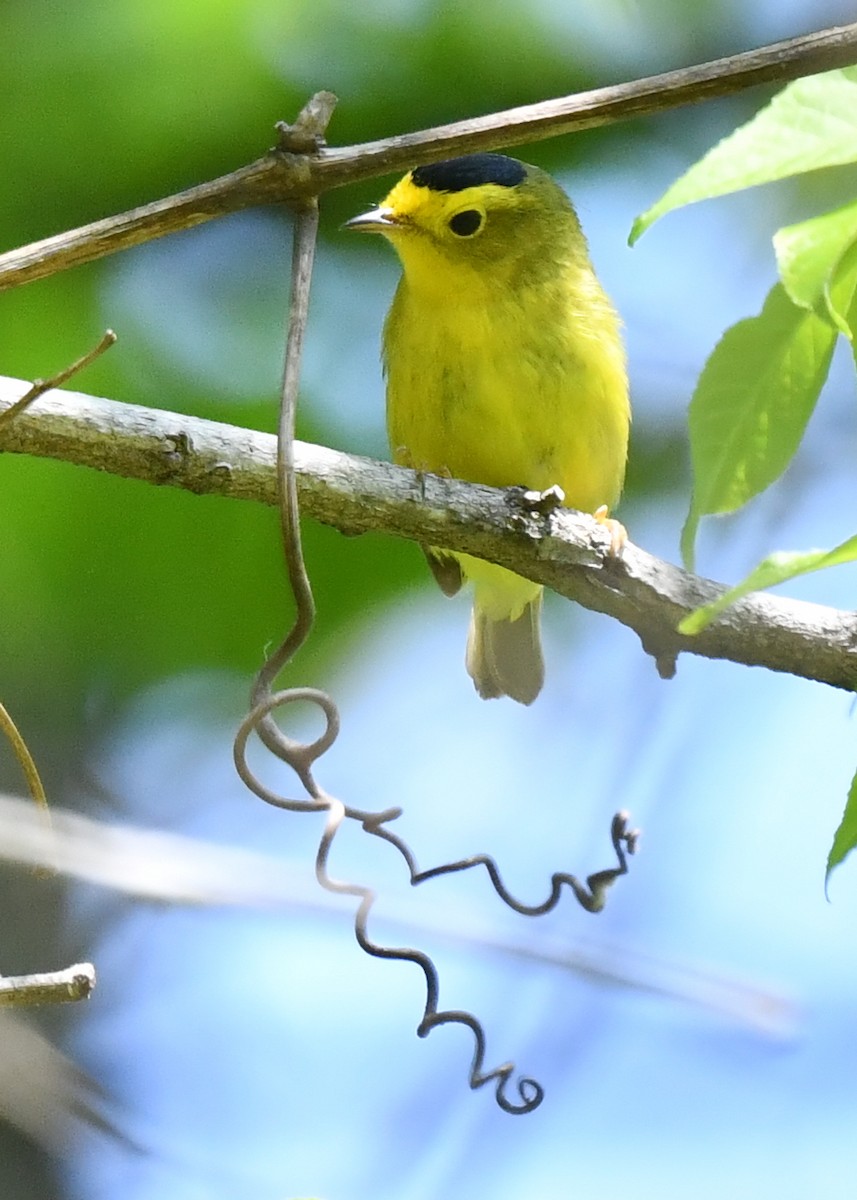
(778, 63)
(301, 167)
(563, 549)
(51, 987)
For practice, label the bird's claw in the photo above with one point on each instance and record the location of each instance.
(617, 531)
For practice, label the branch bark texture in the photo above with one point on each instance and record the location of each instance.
(563, 549)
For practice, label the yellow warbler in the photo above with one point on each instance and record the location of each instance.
(505, 366)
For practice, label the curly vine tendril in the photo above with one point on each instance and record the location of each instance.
(302, 756)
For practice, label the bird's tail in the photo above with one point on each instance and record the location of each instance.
(504, 656)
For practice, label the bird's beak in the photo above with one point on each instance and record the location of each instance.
(376, 220)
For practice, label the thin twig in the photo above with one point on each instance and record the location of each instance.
(292, 752)
(52, 987)
(22, 752)
(40, 386)
(291, 174)
(300, 756)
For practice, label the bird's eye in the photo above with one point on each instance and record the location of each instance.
(466, 223)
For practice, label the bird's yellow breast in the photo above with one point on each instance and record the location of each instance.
(508, 386)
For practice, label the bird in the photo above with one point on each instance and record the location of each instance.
(505, 365)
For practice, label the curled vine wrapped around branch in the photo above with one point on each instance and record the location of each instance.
(302, 756)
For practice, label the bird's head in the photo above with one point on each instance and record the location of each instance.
(482, 218)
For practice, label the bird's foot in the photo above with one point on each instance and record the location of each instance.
(618, 532)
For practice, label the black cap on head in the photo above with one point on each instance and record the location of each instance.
(456, 174)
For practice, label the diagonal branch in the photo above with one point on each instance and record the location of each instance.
(564, 550)
(300, 167)
(777, 63)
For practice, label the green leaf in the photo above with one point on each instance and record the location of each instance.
(777, 568)
(809, 256)
(810, 124)
(751, 405)
(845, 838)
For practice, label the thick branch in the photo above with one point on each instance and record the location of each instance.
(292, 173)
(564, 550)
